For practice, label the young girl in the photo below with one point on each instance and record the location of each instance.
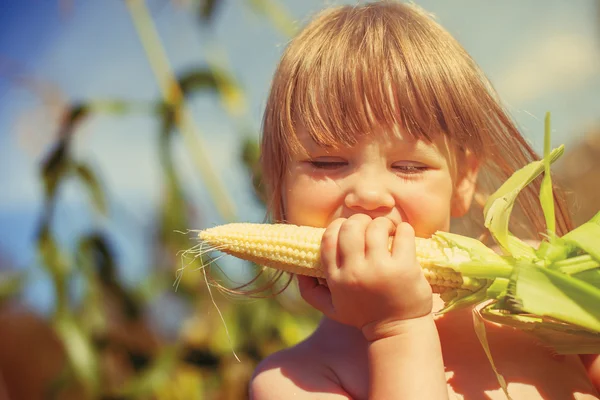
(379, 124)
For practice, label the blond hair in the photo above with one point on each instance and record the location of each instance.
(384, 65)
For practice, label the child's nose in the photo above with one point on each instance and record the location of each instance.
(369, 195)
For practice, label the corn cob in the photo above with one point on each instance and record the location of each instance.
(296, 249)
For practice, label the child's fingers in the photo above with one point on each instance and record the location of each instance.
(329, 246)
(377, 237)
(351, 241)
(315, 294)
(403, 246)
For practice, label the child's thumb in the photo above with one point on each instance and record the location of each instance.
(315, 294)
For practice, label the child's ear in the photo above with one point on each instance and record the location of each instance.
(466, 183)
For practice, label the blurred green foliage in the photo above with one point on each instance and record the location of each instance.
(108, 348)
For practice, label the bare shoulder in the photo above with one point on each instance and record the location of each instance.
(296, 372)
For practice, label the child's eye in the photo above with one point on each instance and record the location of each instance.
(319, 164)
(409, 169)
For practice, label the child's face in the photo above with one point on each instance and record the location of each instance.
(382, 175)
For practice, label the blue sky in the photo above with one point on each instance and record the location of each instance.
(541, 56)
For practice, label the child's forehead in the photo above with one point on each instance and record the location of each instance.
(384, 136)
(393, 142)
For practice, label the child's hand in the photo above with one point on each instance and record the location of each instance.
(368, 286)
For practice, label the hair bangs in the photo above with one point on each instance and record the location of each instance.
(354, 83)
(378, 75)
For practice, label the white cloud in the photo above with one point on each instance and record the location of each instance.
(560, 61)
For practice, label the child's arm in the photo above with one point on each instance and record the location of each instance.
(386, 296)
(592, 365)
(408, 364)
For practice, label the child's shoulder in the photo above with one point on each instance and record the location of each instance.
(298, 371)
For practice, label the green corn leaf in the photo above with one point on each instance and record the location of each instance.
(596, 218)
(580, 238)
(500, 204)
(154, 376)
(479, 325)
(546, 196)
(555, 251)
(80, 351)
(457, 299)
(486, 270)
(547, 293)
(559, 337)
(586, 237)
(207, 8)
(498, 288)
(11, 284)
(476, 249)
(575, 265)
(89, 178)
(520, 249)
(590, 276)
(277, 15)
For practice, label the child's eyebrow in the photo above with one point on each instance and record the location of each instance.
(311, 145)
(429, 152)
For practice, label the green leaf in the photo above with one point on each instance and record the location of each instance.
(520, 249)
(197, 80)
(555, 251)
(56, 262)
(559, 337)
(596, 218)
(118, 107)
(79, 350)
(52, 256)
(587, 238)
(207, 9)
(250, 152)
(77, 113)
(457, 299)
(575, 265)
(155, 376)
(580, 238)
(87, 175)
(479, 325)
(499, 206)
(498, 288)
(590, 276)
(476, 249)
(55, 166)
(11, 284)
(483, 262)
(251, 159)
(276, 13)
(547, 293)
(546, 196)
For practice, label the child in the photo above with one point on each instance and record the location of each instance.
(379, 124)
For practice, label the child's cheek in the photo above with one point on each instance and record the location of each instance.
(311, 202)
(427, 215)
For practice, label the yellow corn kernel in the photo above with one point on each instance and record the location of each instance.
(296, 249)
